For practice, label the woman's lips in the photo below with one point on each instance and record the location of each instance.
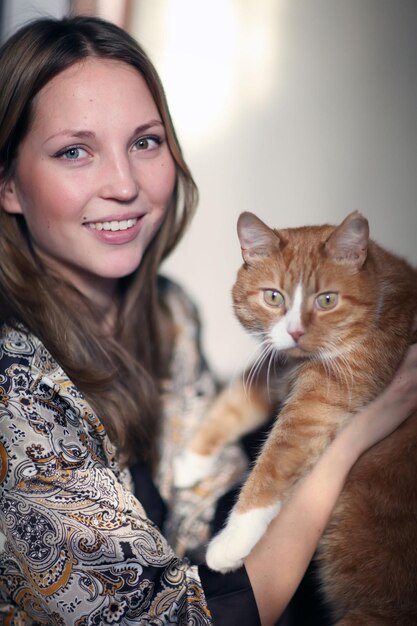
(114, 225)
(116, 231)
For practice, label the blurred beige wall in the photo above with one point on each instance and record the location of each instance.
(298, 110)
(15, 13)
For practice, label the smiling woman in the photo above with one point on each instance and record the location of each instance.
(102, 378)
(86, 139)
(94, 175)
(95, 347)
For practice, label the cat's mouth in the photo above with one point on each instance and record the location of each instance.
(297, 352)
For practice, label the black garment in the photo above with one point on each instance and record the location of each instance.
(148, 495)
(229, 596)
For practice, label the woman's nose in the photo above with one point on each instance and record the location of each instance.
(119, 179)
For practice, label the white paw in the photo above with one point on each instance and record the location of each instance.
(190, 467)
(227, 551)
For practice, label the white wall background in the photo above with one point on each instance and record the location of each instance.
(17, 12)
(298, 110)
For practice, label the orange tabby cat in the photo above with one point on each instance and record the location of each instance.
(344, 310)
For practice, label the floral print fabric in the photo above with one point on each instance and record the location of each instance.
(76, 546)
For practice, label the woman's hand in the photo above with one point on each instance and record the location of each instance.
(403, 390)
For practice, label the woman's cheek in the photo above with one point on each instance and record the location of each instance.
(169, 170)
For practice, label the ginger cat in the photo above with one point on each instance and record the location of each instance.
(343, 310)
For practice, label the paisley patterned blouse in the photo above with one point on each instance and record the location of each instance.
(76, 546)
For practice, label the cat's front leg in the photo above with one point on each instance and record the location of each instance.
(190, 467)
(227, 551)
(259, 502)
(293, 446)
(234, 413)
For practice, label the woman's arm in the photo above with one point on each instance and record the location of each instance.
(278, 562)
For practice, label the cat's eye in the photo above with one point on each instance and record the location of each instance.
(327, 301)
(273, 297)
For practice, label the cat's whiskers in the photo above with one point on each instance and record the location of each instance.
(346, 369)
(336, 362)
(264, 350)
(344, 372)
(237, 373)
(272, 355)
(322, 357)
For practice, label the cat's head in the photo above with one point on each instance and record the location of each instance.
(305, 291)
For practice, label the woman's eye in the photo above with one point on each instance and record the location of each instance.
(147, 143)
(73, 153)
(326, 301)
(273, 297)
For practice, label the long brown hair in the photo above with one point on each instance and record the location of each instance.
(118, 375)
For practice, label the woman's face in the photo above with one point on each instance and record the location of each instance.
(94, 174)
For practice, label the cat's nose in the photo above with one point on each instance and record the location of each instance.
(296, 334)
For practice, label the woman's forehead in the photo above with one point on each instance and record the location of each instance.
(108, 88)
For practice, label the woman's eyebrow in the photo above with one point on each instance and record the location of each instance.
(144, 127)
(72, 132)
(88, 134)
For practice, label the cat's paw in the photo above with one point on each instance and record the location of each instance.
(223, 553)
(227, 551)
(189, 468)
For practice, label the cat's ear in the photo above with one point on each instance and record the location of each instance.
(348, 243)
(256, 238)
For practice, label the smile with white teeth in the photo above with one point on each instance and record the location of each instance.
(114, 225)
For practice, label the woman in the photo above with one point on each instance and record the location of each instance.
(100, 364)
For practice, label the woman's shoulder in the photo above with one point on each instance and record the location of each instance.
(19, 346)
(187, 355)
(14, 333)
(29, 374)
(22, 351)
(179, 302)
(42, 402)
